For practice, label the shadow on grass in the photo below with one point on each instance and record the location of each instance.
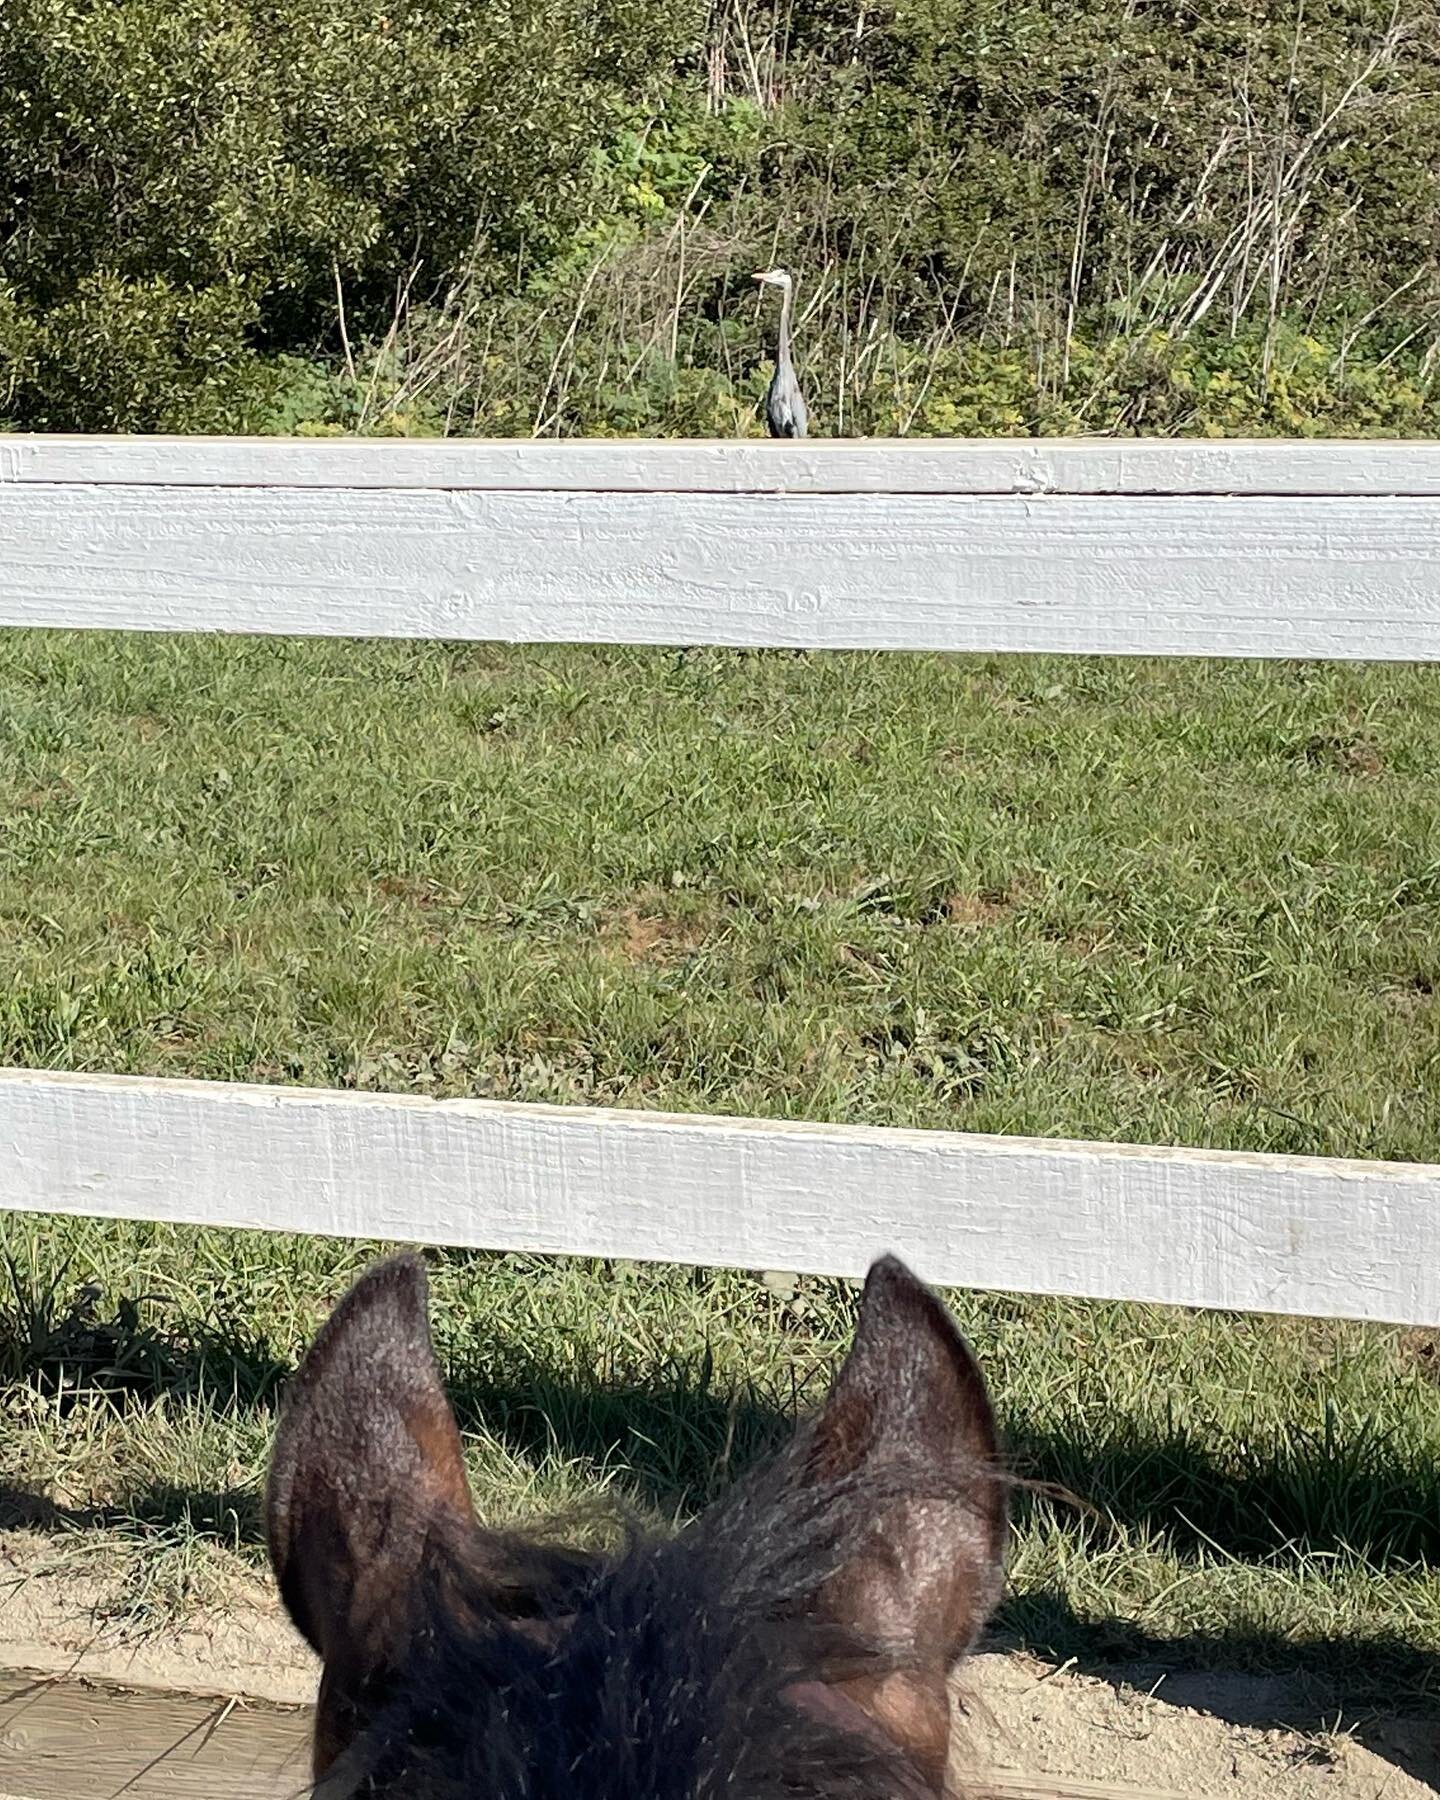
(1340, 1490)
(671, 1443)
(230, 1517)
(670, 1446)
(71, 1352)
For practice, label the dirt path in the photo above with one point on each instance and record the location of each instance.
(228, 1696)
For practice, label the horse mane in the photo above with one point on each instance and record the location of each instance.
(660, 1670)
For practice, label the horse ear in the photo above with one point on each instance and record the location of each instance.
(909, 1413)
(368, 1504)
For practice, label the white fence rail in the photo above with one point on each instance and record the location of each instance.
(1294, 550)
(1155, 549)
(1272, 1233)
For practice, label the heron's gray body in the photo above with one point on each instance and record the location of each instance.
(784, 404)
(785, 413)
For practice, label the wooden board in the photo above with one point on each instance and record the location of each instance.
(1205, 1228)
(68, 1740)
(1317, 576)
(687, 465)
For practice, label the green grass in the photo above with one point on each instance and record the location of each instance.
(1168, 902)
(1129, 900)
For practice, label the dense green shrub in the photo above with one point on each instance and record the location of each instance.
(1006, 215)
(186, 183)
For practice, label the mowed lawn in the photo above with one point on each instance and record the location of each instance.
(1193, 903)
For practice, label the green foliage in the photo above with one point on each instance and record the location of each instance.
(184, 183)
(1006, 216)
(1279, 383)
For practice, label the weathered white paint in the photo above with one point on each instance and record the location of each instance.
(817, 466)
(1268, 1233)
(1290, 576)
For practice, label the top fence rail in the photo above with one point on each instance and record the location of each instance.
(992, 466)
(1273, 549)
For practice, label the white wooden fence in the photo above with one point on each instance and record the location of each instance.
(1225, 549)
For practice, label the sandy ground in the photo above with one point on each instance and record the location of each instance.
(1032, 1728)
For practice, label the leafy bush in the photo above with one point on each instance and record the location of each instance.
(1006, 215)
(185, 184)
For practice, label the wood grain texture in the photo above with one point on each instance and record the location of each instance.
(1205, 1228)
(1297, 576)
(72, 1741)
(817, 466)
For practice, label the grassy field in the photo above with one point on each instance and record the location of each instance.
(1195, 903)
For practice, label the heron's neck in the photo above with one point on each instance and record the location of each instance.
(783, 353)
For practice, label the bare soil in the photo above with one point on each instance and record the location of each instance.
(92, 1706)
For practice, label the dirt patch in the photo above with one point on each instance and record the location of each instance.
(1030, 1730)
(1421, 1348)
(1089, 940)
(1414, 995)
(416, 890)
(1157, 1733)
(976, 909)
(1346, 754)
(58, 1616)
(642, 937)
(48, 793)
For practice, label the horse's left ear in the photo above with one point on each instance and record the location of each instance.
(368, 1506)
(910, 1412)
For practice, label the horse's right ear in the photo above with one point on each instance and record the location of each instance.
(909, 1417)
(368, 1508)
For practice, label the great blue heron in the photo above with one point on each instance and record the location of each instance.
(784, 403)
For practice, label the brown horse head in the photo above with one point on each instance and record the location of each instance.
(796, 1640)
